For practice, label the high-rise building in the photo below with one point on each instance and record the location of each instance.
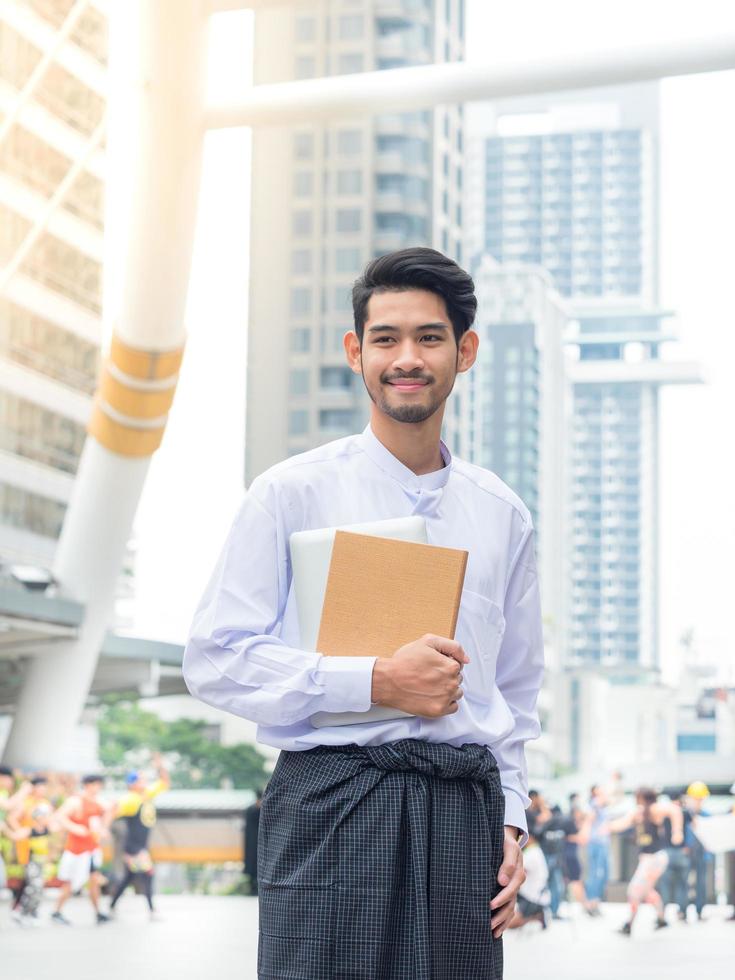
(52, 100)
(570, 181)
(328, 198)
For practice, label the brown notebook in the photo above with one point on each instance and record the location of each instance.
(383, 593)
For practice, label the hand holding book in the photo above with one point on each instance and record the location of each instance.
(421, 678)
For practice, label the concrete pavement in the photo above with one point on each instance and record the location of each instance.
(202, 937)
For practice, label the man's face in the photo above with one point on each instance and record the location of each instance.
(409, 357)
(6, 783)
(90, 790)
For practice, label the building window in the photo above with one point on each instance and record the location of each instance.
(336, 419)
(298, 422)
(305, 67)
(349, 64)
(303, 146)
(301, 300)
(298, 382)
(301, 340)
(303, 183)
(302, 222)
(336, 378)
(349, 182)
(351, 27)
(349, 142)
(301, 263)
(348, 220)
(305, 29)
(347, 259)
(343, 299)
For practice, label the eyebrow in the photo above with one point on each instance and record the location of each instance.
(381, 327)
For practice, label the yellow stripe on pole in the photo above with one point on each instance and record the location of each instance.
(137, 403)
(146, 364)
(126, 440)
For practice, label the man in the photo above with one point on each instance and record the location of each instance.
(647, 820)
(250, 842)
(674, 884)
(10, 799)
(82, 816)
(598, 849)
(391, 846)
(138, 811)
(533, 895)
(574, 835)
(31, 823)
(550, 830)
(700, 860)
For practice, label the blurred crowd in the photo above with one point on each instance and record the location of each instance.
(568, 855)
(56, 830)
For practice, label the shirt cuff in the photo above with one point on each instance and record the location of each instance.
(515, 816)
(347, 683)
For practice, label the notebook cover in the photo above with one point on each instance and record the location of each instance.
(383, 593)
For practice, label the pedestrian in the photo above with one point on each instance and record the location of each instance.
(82, 816)
(574, 835)
(550, 830)
(598, 849)
(647, 822)
(533, 895)
(391, 846)
(10, 799)
(138, 811)
(700, 859)
(250, 841)
(31, 825)
(674, 886)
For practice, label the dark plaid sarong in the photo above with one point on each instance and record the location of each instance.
(379, 863)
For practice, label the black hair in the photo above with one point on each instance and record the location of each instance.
(38, 781)
(532, 794)
(92, 778)
(6, 771)
(417, 268)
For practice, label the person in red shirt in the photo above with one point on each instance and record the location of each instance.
(86, 820)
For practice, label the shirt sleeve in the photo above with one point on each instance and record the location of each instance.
(235, 659)
(518, 677)
(129, 805)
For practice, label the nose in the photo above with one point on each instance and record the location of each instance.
(408, 357)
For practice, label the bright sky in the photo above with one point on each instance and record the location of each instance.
(195, 481)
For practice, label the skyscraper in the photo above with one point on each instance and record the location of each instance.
(570, 181)
(328, 198)
(51, 214)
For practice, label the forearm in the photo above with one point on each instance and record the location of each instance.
(262, 679)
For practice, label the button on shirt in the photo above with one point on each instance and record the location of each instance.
(243, 653)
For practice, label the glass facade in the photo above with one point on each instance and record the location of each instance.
(47, 361)
(359, 189)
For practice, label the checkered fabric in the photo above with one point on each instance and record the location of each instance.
(379, 863)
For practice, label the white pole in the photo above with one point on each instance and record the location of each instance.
(402, 89)
(154, 151)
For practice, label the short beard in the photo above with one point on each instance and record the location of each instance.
(412, 414)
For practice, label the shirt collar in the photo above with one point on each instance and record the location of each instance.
(374, 448)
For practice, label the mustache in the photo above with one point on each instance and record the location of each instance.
(387, 378)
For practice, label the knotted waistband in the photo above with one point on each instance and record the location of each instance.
(470, 761)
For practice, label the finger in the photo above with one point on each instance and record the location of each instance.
(450, 648)
(506, 895)
(501, 919)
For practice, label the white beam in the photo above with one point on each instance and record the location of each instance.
(402, 89)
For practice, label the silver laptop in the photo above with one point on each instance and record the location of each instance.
(311, 554)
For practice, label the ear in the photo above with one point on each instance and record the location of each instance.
(467, 351)
(353, 351)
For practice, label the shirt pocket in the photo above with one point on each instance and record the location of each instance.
(480, 630)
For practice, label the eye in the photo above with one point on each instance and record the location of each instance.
(379, 340)
(431, 336)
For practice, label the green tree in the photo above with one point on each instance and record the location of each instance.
(129, 734)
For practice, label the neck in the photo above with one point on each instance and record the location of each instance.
(415, 444)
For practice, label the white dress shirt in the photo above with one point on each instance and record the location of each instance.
(243, 653)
